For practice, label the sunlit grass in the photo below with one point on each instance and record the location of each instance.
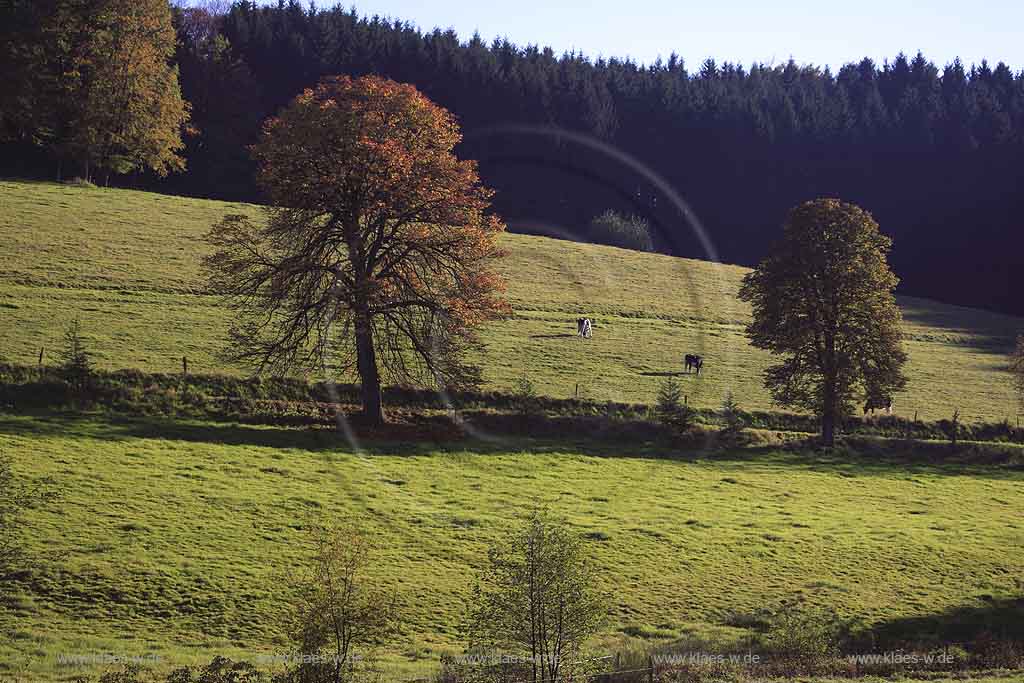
(177, 534)
(127, 264)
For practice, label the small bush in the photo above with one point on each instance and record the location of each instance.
(524, 396)
(807, 634)
(617, 230)
(220, 670)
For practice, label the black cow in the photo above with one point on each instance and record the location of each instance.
(879, 403)
(693, 361)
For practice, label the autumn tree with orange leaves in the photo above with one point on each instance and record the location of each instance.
(376, 253)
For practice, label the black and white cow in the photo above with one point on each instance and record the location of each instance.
(693, 361)
(584, 328)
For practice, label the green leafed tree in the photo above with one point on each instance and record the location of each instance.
(536, 602)
(340, 615)
(98, 88)
(134, 113)
(823, 305)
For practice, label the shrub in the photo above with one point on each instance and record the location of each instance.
(807, 634)
(340, 615)
(220, 670)
(524, 396)
(618, 230)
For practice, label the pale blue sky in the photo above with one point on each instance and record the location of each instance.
(742, 31)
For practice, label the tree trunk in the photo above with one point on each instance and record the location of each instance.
(366, 362)
(829, 414)
(828, 428)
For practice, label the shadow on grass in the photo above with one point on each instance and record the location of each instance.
(978, 329)
(992, 618)
(505, 433)
(553, 336)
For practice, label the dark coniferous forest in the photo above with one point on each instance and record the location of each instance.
(932, 150)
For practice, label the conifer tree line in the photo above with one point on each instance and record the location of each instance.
(932, 150)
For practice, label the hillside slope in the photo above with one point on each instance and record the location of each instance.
(127, 265)
(180, 535)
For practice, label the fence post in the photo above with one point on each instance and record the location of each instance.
(184, 365)
(650, 669)
(577, 389)
(41, 348)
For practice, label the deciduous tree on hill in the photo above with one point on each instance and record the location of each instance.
(377, 253)
(339, 615)
(95, 84)
(823, 302)
(537, 601)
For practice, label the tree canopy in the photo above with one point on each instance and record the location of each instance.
(376, 252)
(823, 303)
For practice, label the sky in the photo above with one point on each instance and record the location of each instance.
(740, 31)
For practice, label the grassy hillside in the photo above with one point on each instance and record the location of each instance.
(173, 537)
(127, 264)
(178, 534)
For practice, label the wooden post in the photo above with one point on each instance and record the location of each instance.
(686, 400)
(577, 389)
(650, 670)
(915, 416)
(41, 348)
(184, 365)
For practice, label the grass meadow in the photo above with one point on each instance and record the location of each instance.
(177, 534)
(127, 265)
(177, 537)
